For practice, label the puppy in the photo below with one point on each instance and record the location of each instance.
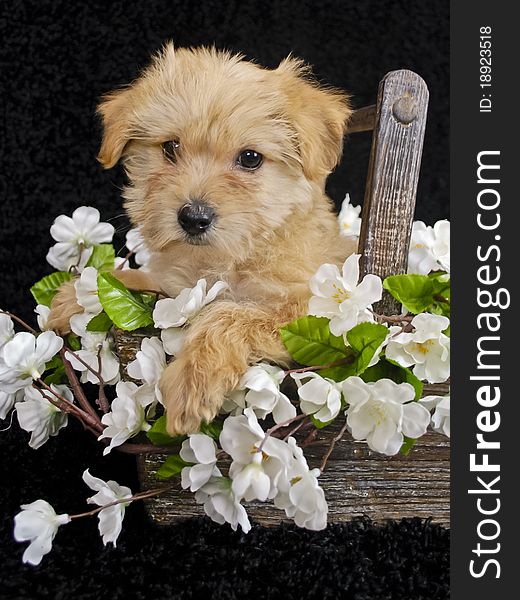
(226, 163)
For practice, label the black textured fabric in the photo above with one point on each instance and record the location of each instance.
(56, 58)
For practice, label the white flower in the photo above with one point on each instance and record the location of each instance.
(94, 345)
(340, 298)
(200, 450)
(126, 417)
(426, 347)
(172, 313)
(263, 384)
(440, 420)
(37, 523)
(429, 248)
(234, 402)
(149, 364)
(40, 417)
(319, 396)
(383, 412)
(300, 494)
(24, 359)
(43, 314)
(76, 234)
(6, 329)
(250, 481)
(221, 505)
(349, 220)
(241, 438)
(7, 401)
(87, 291)
(110, 518)
(136, 244)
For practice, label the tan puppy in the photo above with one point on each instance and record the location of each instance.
(227, 164)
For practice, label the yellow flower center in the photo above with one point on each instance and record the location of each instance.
(424, 347)
(340, 295)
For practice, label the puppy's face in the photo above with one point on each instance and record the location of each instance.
(219, 152)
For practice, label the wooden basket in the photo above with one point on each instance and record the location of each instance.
(357, 480)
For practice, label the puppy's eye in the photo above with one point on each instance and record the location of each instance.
(249, 159)
(170, 149)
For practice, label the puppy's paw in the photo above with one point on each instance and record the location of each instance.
(63, 306)
(193, 391)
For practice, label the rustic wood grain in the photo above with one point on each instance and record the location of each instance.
(362, 119)
(357, 481)
(393, 173)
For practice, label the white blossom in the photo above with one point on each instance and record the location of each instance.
(300, 494)
(170, 314)
(429, 248)
(126, 417)
(37, 523)
(349, 220)
(6, 329)
(319, 396)
(96, 347)
(40, 417)
(338, 296)
(440, 419)
(383, 412)
(136, 244)
(76, 236)
(42, 313)
(200, 450)
(149, 364)
(87, 291)
(221, 504)
(7, 401)
(255, 460)
(110, 518)
(24, 358)
(263, 395)
(427, 348)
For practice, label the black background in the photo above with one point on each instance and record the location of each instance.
(57, 58)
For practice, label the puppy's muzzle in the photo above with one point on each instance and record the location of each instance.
(196, 218)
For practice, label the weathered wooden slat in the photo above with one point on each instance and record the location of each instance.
(393, 173)
(362, 119)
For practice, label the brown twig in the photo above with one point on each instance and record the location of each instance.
(20, 321)
(102, 401)
(331, 447)
(64, 405)
(77, 390)
(348, 360)
(139, 496)
(270, 431)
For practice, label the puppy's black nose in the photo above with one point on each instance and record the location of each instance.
(195, 218)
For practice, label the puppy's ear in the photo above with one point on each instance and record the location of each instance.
(319, 115)
(115, 110)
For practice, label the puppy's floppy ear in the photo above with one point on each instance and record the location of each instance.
(115, 110)
(319, 116)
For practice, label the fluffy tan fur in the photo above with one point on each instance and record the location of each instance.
(274, 225)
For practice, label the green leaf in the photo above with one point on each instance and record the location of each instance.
(101, 322)
(388, 369)
(408, 444)
(310, 342)
(158, 435)
(364, 340)
(44, 290)
(172, 466)
(73, 342)
(123, 307)
(320, 424)
(102, 257)
(57, 376)
(212, 429)
(415, 292)
(421, 293)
